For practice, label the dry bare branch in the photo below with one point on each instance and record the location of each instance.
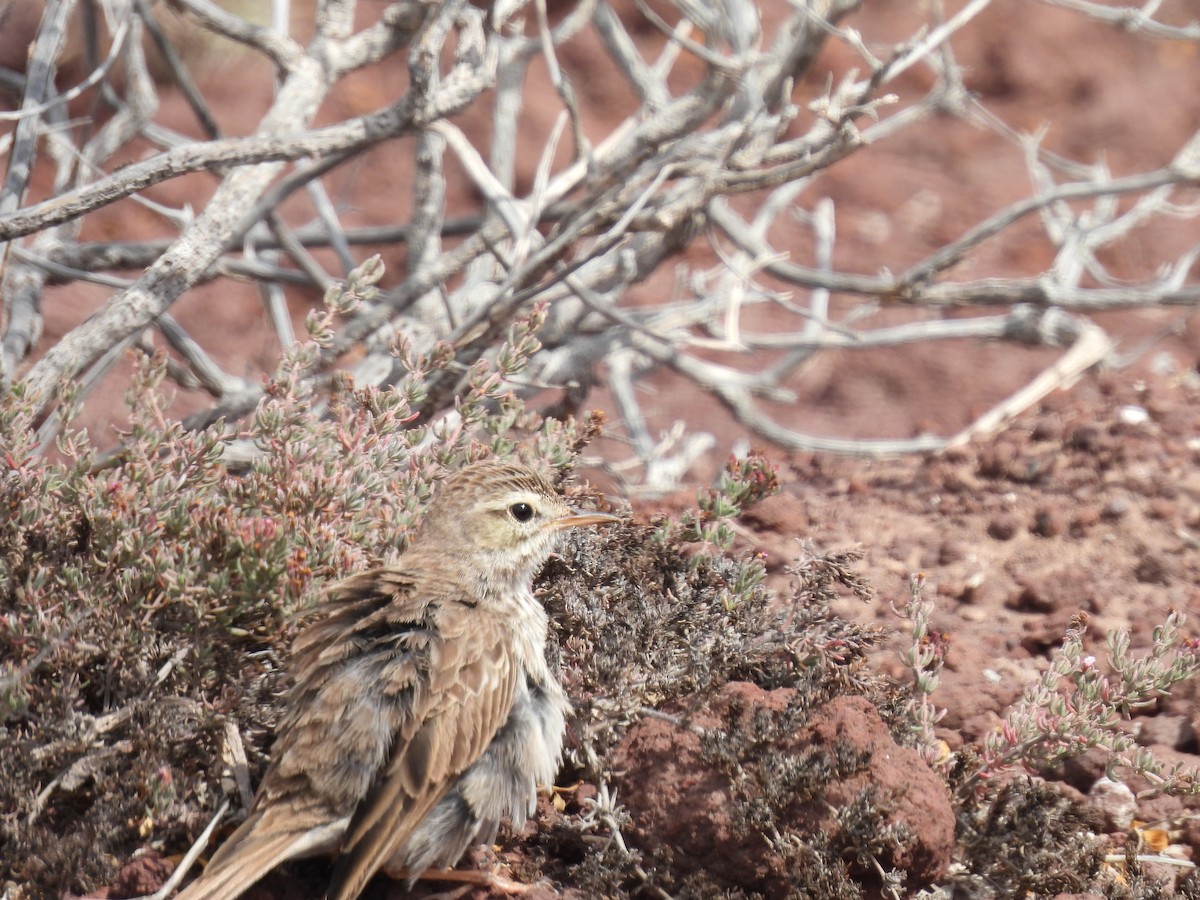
(725, 142)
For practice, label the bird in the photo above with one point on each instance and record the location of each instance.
(422, 710)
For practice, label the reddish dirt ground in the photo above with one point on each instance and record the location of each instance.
(1089, 504)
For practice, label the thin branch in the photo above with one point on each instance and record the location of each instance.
(952, 253)
(261, 150)
(208, 374)
(280, 49)
(1090, 346)
(183, 79)
(930, 42)
(189, 858)
(1131, 18)
(117, 41)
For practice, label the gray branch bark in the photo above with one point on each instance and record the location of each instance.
(605, 210)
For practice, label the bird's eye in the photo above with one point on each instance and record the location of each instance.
(522, 512)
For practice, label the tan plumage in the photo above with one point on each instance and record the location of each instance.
(423, 710)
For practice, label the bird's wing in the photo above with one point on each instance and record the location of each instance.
(462, 703)
(308, 785)
(253, 850)
(391, 703)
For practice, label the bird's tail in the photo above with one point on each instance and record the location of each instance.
(257, 847)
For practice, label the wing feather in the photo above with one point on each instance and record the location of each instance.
(467, 705)
(401, 686)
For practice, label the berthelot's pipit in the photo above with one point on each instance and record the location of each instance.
(423, 710)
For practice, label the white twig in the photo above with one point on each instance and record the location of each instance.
(189, 858)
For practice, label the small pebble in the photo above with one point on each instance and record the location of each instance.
(1133, 415)
(1116, 801)
(1004, 527)
(1049, 521)
(1116, 508)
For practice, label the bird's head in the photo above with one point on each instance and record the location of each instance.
(501, 519)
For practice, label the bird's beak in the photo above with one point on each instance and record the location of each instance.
(578, 518)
